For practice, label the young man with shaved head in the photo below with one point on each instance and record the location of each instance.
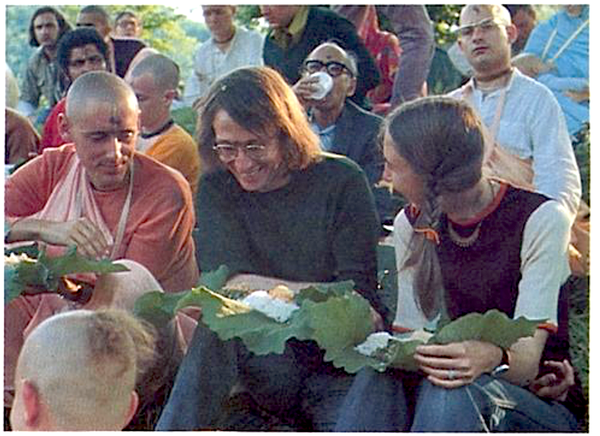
(521, 114)
(155, 80)
(77, 371)
(101, 196)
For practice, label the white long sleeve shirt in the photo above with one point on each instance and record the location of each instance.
(533, 127)
(210, 62)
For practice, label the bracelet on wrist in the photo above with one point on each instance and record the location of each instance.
(504, 363)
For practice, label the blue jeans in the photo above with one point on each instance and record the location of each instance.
(378, 402)
(289, 385)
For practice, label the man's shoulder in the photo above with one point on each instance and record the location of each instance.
(355, 111)
(177, 137)
(325, 14)
(528, 90)
(336, 167)
(249, 34)
(37, 59)
(179, 133)
(155, 173)
(325, 20)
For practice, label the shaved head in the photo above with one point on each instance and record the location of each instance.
(84, 365)
(98, 87)
(496, 11)
(164, 71)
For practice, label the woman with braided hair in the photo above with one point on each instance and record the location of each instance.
(468, 243)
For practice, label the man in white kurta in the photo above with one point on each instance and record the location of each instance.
(228, 48)
(522, 115)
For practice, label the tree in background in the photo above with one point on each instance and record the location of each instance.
(164, 29)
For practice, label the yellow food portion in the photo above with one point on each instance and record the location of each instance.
(282, 292)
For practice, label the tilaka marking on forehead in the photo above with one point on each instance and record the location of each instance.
(115, 117)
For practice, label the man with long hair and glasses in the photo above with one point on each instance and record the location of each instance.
(274, 209)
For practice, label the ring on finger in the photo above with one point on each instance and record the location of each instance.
(451, 374)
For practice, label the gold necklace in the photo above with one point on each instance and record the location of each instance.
(463, 241)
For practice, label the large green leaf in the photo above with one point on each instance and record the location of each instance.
(322, 292)
(339, 323)
(336, 317)
(493, 326)
(42, 275)
(214, 279)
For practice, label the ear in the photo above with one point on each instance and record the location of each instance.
(134, 402)
(351, 87)
(512, 33)
(64, 127)
(32, 407)
(171, 95)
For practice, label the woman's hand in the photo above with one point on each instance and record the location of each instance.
(457, 364)
(556, 384)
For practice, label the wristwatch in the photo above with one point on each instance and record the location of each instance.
(504, 364)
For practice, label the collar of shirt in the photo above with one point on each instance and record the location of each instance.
(325, 135)
(293, 32)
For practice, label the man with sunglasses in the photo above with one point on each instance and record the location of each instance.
(343, 127)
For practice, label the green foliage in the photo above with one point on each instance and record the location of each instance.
(319, 307)
(42, 275)
(443, 18)
(582, 154)
(333, 315)
(493, 326)
(186, 118)
(163, 29)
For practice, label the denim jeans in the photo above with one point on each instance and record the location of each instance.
(295, 386)
(378, 402)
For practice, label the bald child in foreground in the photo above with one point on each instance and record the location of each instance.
(77, 372)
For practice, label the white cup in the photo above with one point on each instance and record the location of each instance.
(323, 86)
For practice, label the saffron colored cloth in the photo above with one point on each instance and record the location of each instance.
(158, 233)
(176, 149)
(20, 137)
(51, 136)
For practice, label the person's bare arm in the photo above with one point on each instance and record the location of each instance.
(458, 364)
(81, 233)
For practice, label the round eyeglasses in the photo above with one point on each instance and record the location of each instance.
(229, 152)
